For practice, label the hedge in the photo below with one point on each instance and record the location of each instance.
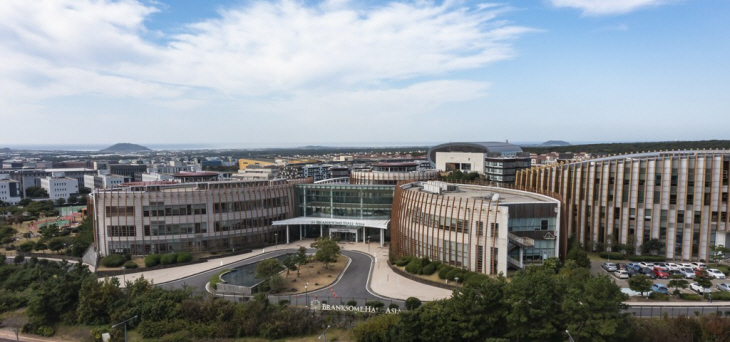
(658, 296)
(375, 304)
(403, 261)
(444, 271)
(414, 266)
(184, 257)
(429, 269)
(168, 259)
(152, 260)
(130, 264)
(611, 255)
(647, 258)
(113, 260)
(690, 296)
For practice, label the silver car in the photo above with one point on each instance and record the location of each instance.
(723, 287)
(609, 267)
(688, 273)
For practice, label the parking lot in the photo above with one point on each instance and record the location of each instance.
(596, 269)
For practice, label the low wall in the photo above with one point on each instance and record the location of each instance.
(418, 279)
(118, 272)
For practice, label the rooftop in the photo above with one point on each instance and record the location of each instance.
(506, 196)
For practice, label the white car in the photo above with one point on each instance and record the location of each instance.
(715, 273)
(686, 265)
(672, 266)
(697, 288)
(723, 287)
(688, 273)
(621, 274)
(696, 265)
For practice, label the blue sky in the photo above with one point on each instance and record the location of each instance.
(245, 73)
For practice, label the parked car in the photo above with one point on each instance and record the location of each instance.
(675, 273)
(646, 264)
(688, 272)
(648, 272)
(685, 265)
(660, 288)
(620, 266)
(715, 273)
(660, 264)
(660, 273)
(723, 287)
(697, 288)
(632, 265)
(672, 266)
(632, 271)
(609, 267)
(621, 274)
(698, 265)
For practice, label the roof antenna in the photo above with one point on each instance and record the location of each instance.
(506, 141)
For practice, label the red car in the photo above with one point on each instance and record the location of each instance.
(661, 273)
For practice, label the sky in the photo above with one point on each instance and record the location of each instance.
(283, 72)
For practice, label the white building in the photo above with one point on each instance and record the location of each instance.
(9, 189)
(59, 186)
(104, 180)
(257, 172)
(155, 177)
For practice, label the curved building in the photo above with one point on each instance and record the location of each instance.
(478, 228)
(497, 161)
(678, 197)
(390, 173)
(196, 217)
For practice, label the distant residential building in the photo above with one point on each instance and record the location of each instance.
(496, 161)
(257, 172)
(59, 186)
(133, 171)
(244, 163)
(190, 177)
(9, 189)
(104, 180)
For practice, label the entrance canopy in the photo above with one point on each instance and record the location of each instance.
(380, 224)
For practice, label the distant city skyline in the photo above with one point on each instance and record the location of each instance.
(289, 73)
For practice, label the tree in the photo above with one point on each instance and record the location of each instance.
(40, 246)
(580, 256)
(652, 246)
(56, 245)
(412, 303)
(290, 263)
(49, 231)
(61, 201)
(640, 283)
(36, 192)
(267, 268)
(277, 283)
(677, 284)
(301, 258)
(703, 279)
(535, 298)
(26, 247)
(717, 251)
(593, 310)
(73, 199)
(327, 251)
(19, 259)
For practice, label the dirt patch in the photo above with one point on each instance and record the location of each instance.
(315, 274)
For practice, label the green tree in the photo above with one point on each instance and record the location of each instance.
(653, 246)
(580, 256)
(56, 244)
(535, 299)
(36, 192)
(678, 284)
(640, 283)
(301, 258)
(26, 247)
(61, 201)
(277, 283)
(593, 310)
(327, 251)
(703, 279)
(716, 250)
(290, 263)
(413, 303)
(73, 199)
(267, 268)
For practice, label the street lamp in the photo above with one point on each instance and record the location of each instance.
(457, 280)
(276, 240)
(570, 337)
(368, 244)
(125, 326)
(306, 295)
(324, 334)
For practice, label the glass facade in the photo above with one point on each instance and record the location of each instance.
(369, 202)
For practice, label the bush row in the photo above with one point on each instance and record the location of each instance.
(152, 260)
(424, 266)
(611, 255)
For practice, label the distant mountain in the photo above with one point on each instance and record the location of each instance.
(125, 147)
(555, 143)
(6, 149)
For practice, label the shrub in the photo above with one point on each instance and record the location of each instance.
(647, 258)
(130, 264)
(45, 331)
(611, 255)
(412, 303)
(152, 260)
(394, 306)
(403, 261)
(476, 279)
(376, 328)
(184, 257)
(413, 266)
(284, 302)
(455, 272)
(277, 283)
(658, 296)
(113, 260)
(690, 296)
(19, 259)
(429, 269)
(3, 258)
(720, 296)
(444, 271)
(375, 304)
(168, 259)
(352, 303)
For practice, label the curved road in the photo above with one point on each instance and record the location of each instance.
(352, 285)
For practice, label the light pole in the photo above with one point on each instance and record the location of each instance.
(276, 240)
(324, 334)
(125, 326)
(306, 295)
(457, 280)
(124, 274)
(368, 244)
(570, 337)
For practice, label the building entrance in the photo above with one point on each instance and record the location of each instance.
(344, 234)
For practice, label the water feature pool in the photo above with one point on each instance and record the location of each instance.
(244, 275)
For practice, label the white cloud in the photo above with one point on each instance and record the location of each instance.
(390, 58)
(607, 7)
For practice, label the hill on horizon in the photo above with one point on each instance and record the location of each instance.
(125, 147)
(555, 143)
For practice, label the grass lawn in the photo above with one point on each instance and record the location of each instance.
(215, 279)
